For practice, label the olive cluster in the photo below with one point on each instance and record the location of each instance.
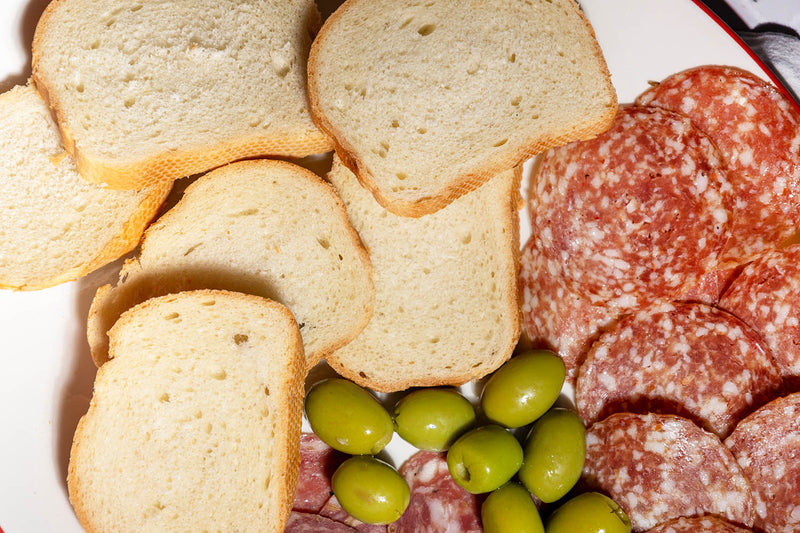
(481, 457)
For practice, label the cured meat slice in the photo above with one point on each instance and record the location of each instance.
(661, 467)
(637, 214)
(758, 132)
(333, 510)
(681, 358)
(314, 523)
(766, 296)
(711, 286)
(767, 446)
(700, 524)
(318, 461)
(555, 317)
(437, 504)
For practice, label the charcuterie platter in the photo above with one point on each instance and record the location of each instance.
(47, 371)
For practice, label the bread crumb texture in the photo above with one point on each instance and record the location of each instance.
(194, 422)
(157, 90)
(452, 93)
(55, 226)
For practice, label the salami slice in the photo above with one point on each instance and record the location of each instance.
(683, 358)
(314, 523)
(711, 286)
(660, 467)
(333, 510)
(437, 503)
(318, 461)
(766, 296)
(767, 446)
(758, 132)
(555, 317)
(700, 524)
(639, 213)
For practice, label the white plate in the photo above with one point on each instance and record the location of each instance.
(46, 374)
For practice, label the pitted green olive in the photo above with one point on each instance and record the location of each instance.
(370, 490)
(432, 419)
(524, 388)
(554, 454)
(590, 512)
(347, 417)
(484, 458)
(510, 509)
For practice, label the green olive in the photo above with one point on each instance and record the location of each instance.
(510, 509)
(554, 454)
(590, 512)
(484, 458)
(370, 490)
(524, 388)
(432, 419)
(347, 417)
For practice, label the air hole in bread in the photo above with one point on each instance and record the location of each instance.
(401, 176)
(267, 481)
(209, 303)
(129, 102)
(499, 143)
(190, 250)
(240, 338)
(199, 414)
(173, 316)
(512, 58)
(208, 428)
(395, 123)
(466, 239)
(80, 88)
(164, 398)
(95, 45)
(340, 257)
(136, 8)
(426, 29)
(406, 22)
(363, 375)
(245, 212)
(422, 130)
(325, 243)
(219, 374)
(434, 340)
(516, 101)
(266, 391)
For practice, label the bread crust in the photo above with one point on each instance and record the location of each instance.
(164, 165)
(470, 180)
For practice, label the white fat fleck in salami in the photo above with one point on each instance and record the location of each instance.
(699, 524)
(313, 523)
(767, 446)
(660, 467)
(758, 132)
(555, 317)
(438, 504)
(639, 213)
(688, 359)
(766, 296)
(318, 461)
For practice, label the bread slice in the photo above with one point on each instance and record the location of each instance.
(427, 101)
(446, 304)
(152, 91)
(54, 226)
(195, 421)
(269, 228)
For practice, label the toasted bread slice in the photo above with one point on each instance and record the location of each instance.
(195, 420)
(427, 101)
(446, 304)
(54, 226)
(269, 228)
(152, 91)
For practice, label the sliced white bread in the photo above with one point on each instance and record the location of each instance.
(194, 424)
(54, 226)
(427, 101)
(263, 227)
(446, 304)
(152, 91)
